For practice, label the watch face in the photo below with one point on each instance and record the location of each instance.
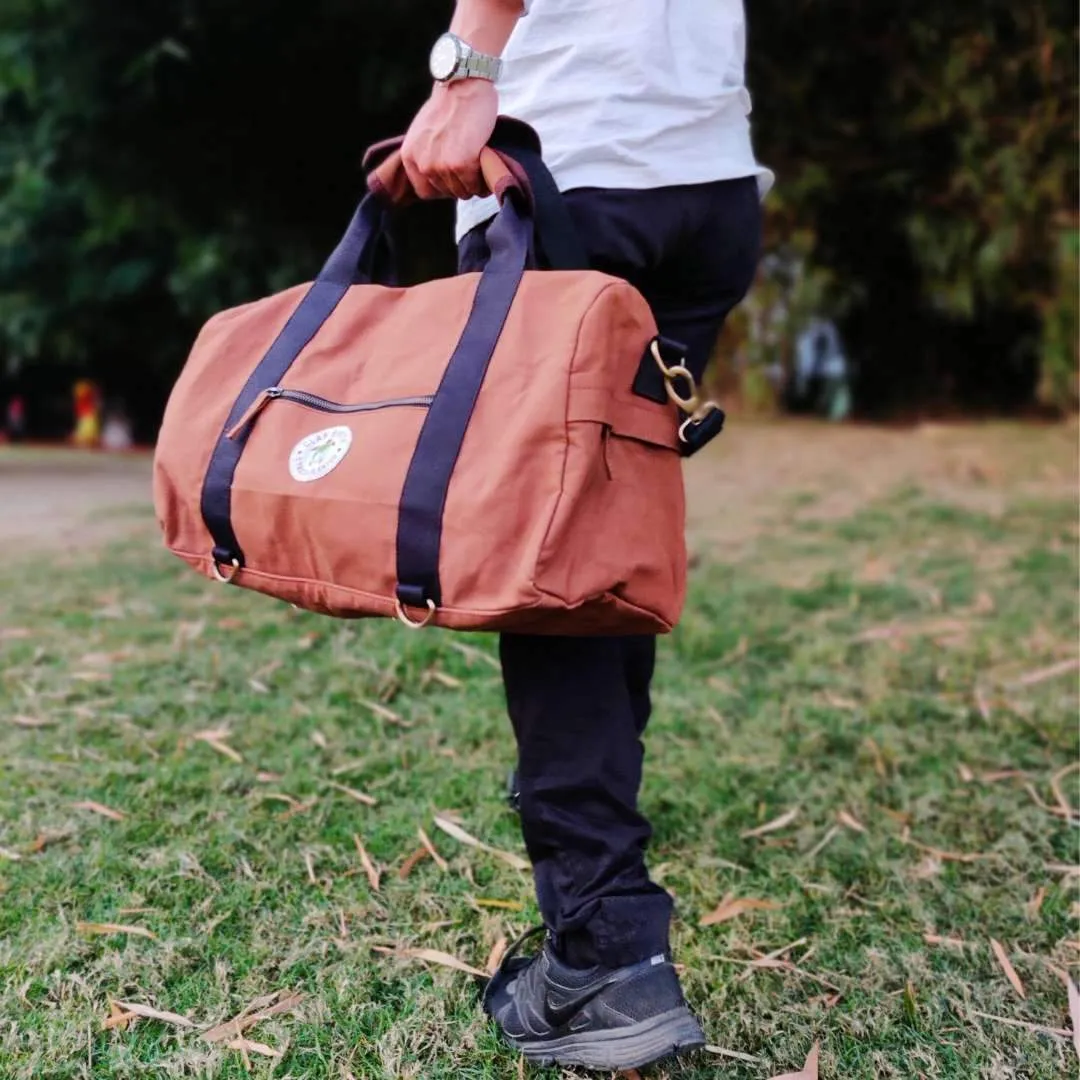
(444, 57)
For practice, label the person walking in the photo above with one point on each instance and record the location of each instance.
(643, 115)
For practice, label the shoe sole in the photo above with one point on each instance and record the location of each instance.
(632, 1047)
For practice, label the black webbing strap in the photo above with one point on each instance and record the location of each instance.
(423, 498)
(358, 247)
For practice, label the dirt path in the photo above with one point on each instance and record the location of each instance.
(64, 498)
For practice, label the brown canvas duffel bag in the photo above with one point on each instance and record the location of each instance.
(468, 452)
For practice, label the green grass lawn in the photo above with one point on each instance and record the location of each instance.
(898, 703)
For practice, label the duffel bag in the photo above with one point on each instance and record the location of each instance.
(468, 452)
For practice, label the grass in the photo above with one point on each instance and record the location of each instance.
(889, 684)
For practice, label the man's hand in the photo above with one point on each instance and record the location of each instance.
(441, 153)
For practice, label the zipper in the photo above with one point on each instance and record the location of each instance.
(313, 401)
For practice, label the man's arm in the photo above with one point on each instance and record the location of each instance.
(442, 148)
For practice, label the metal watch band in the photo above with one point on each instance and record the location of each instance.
(480, 66)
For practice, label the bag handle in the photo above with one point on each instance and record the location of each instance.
(556, 242)
(359, 258)
(389, 181)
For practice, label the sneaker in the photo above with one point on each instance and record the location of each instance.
(598, 1018)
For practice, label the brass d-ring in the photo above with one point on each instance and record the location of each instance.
(687, 404)
(215, 566)
(399, 610)
(676, 371)
(654, 348)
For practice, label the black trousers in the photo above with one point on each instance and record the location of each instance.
(579, 705)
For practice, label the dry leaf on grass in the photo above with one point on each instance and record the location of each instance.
(359, 796)
(471, 653)
(407, 866)
(772, 959)
(1063, 868)
(505, 905)
(187, 632)
(1057, 811)
(772, 826)
(13, 633)
(103, 659)
(1034, 905)
(966, 775)
(1060, 1033)
(879, 758)
(30, 722)
(498, 951)
(850, 821)
(931, 628)
(429, 847)
(1000, 774)
(443, 679)
(734, 1054)
(216, 740)
(365, 861)
(830, 835)
(117, 1018)
(937, 939)
(838, 702)
(384, 713)
(113, 928)
(47, 839)
(249, 1047)
(433, 956)
(808, 1072)
(298, 808)
(100, 808)
(148, 1013)
(731, 908)
(1032, 678)
(1006, 966)
(945, 856)
(1074, 1012)
(7, 853)
(1066, 807)
(262, 1008)
(458, 833)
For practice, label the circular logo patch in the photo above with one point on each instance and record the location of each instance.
(319, 453)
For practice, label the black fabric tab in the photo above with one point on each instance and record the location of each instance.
(649, 380)
(696, 435)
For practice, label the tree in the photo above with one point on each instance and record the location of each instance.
(160, 162)
(933, 149)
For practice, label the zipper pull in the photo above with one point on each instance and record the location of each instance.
(253, 410)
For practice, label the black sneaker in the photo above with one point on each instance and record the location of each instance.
(599, 1018)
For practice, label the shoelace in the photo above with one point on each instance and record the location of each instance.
(515, 948)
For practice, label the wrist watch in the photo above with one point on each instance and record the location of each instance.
(453, 59)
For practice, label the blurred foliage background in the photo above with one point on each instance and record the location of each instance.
(160, 162)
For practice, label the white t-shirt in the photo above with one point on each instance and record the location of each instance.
(630, 94)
